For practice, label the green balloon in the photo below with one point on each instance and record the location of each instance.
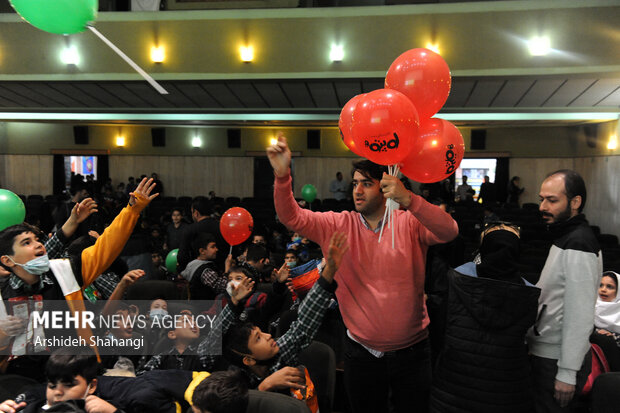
(12, 209)
(171, 260)
(57, 16)
(308, 193)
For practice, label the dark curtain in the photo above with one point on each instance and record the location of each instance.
(502, 178)
(103, 168)
(58, 174)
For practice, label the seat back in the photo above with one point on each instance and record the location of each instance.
(320, 360)
(269, 402)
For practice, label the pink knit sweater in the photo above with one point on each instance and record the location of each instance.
(380, 289)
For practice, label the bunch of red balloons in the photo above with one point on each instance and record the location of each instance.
(393, 126)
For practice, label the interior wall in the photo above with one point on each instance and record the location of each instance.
(602, 183)
(190, 175)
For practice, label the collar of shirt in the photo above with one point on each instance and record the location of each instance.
(19, 284)
(379, 225)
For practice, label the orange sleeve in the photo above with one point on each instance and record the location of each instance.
(97, 258)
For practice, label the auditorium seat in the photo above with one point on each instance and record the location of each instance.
(320, 361)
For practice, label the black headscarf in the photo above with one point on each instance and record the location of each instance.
(499, 256)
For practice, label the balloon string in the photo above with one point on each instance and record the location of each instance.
(131, 63)
(230, 252)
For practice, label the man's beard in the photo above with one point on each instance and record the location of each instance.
(562, 216)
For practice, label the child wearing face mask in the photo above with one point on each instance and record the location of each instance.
(37, 276)
(259, 307)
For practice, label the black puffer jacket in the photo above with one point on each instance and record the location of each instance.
(484, 366)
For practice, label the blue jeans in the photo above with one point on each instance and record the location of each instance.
(400, 379)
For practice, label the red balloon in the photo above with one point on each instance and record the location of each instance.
(424, 77)
(345, 123)
(385, 126)
(236, 225)
(439, 151)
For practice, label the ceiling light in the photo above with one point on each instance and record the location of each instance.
(336, 54)
(273, 141)
(433, 47)
(158, 54)
(247, 53)
(613, 143)
(196, 142)
(70, 56)
(120, 141)
(539, 45)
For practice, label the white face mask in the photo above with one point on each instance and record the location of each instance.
(231, 286)
(36, 266)
(291, 264)
(158, 313)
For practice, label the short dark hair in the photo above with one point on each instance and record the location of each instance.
(8, 235)
(256, 252)
(222, 392)
(574, 185)
(292, 251)
(242, 270)
(202, 240)
(235, 343)
(369, 169)
(202, 205)
(64, 368)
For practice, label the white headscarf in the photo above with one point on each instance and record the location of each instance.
(607, 314)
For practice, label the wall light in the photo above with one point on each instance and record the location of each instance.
(158, 54)
(247, 53)
(70, 56)
(196, 142)
(433, 46)
(120, 140)
(613, 143)
(336, 54)
(539, 45)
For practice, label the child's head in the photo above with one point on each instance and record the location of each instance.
(290, 258)
(246, 345)
(257, 256)
(608, 289)
(177, 215)
(236, 275)
(221, 392)
(158, 308)
(204, 246)
(20, 244)
(72, 377)
(124, 327)
(184, 328)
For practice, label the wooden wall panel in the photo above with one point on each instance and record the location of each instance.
(190, 175)
(27, 174)
(602, 177)
(320, 172)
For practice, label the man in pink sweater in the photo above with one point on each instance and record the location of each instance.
(381, 289)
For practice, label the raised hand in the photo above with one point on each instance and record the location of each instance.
(145, 187)
(338, 246)
(83, 210)
(241, 291)
(283, 273)
(131, 277)
(280, 156)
